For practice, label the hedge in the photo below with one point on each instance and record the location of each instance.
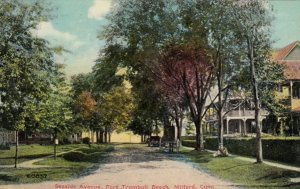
(283, 150)
(74, 156)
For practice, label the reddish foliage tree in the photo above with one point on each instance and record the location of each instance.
(87, 105)
(186, 74)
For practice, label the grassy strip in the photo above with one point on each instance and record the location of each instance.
(59, 169)
(244, 174)
(29, 152)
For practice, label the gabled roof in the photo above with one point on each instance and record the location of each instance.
(283, 52)
(291, 67)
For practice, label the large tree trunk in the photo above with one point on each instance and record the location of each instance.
(220, 108)
(199, 136)
(259, 155)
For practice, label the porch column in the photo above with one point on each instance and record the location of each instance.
(291, 113)
(245, 127)
(240, 126)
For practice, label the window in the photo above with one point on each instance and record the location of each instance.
(296, 90)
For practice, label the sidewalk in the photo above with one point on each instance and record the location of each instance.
(30, 163)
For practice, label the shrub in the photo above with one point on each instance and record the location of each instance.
(86, 140)
(74, 156)
(4, 146)
(93, 157)
(76, 142)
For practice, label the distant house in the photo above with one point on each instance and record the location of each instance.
(7, 136)
(35, 138)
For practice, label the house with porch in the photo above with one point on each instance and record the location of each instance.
(239, 114)
(289, 58)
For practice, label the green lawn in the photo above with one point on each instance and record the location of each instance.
(28, 152)
(243, 173)
(59, 169)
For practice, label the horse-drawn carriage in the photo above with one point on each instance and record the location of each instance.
(169, 145)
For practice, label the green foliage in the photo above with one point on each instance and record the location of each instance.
(29, 77)
(105, 71)
(74, 156)
(86, 140)
(190, 130)
(55, 111)
(80, 83)
(92, 155)
(116, 108)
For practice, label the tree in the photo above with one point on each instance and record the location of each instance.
(105, 71)
(27, 63)
(189, 68)
(252, 29)
(87, 105)
(141, 37)
(55, 111)
(115, 109)
(88, 114)
(80, 83)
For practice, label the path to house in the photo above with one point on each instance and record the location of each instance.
(30, 163)
(137, 167)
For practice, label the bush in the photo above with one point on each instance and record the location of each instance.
(74, 156)
(283, 150)
(4, 146)
(93, 157)
(86, 140)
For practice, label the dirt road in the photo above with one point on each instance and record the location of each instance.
(137, 167)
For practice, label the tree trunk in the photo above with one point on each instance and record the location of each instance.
(220, 108)
(54, 142)
(16, 153)
(178, 121)
(105, 135)
(259, 156)
(199, 136)
(109, 137)
(97, 136)
(101, 136)
(156, 127)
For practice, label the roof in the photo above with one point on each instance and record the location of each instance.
(283, 52)
(291, 67)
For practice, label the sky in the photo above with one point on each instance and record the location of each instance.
(75, 25)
